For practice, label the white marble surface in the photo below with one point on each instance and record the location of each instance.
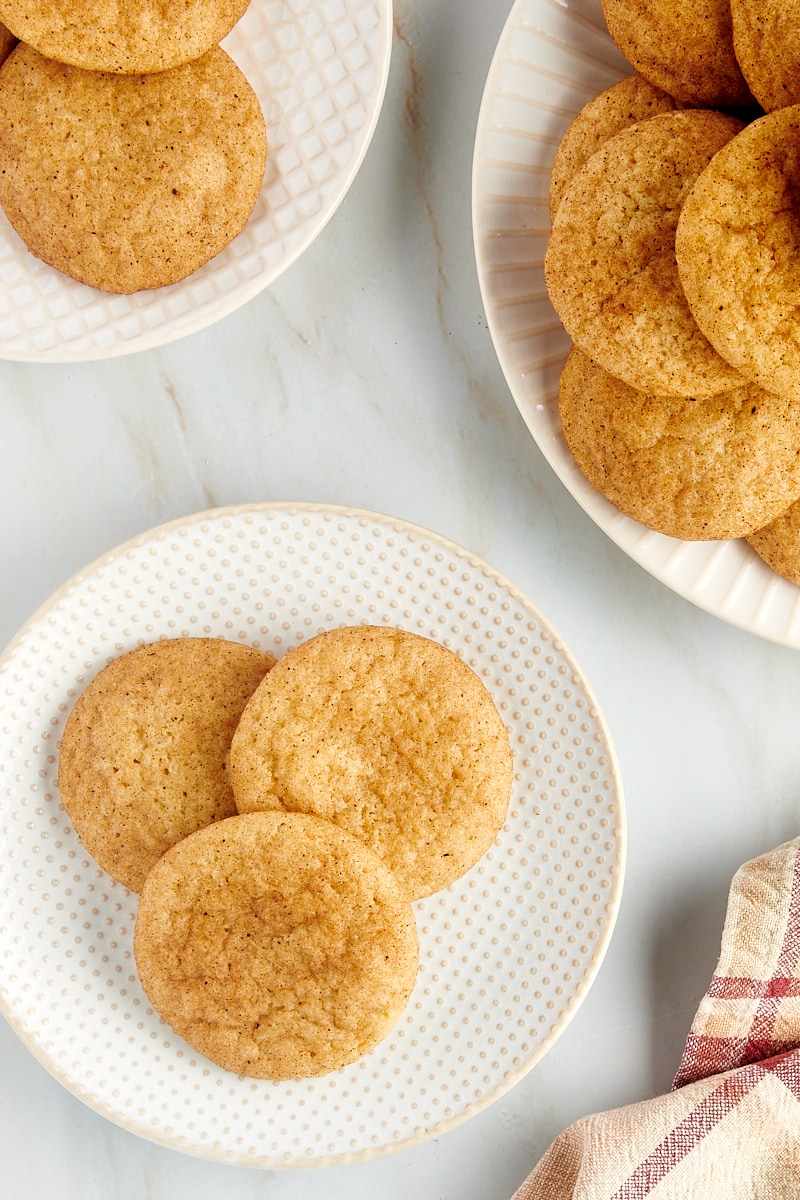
(366, 377)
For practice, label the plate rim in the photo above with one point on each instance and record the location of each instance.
(619, 834)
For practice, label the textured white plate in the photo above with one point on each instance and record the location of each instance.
(319, 68)
(554, 56)
(507, 953)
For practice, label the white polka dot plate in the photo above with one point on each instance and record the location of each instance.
(319, 68)
(552, 58)
(506, 954)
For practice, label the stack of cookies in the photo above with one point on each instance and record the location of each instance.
(132, 148)
(672, 263)
(278, 820)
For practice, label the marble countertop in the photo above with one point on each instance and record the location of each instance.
(366, 376)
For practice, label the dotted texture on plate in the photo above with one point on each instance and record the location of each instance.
(319, 69)
(507, 952)
(552, 58)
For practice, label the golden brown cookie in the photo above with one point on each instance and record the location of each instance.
(276, 944)
(682, 46)
(766, 39)
(128, 182)
(737, 247)
(388, 734)
(138, 36)
(717, 467)
(143, 759)
(626, 103)
(610, 265)
(779, 543)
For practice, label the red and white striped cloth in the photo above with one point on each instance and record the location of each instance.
(730, 1127)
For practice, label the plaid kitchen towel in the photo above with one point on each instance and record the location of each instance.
(730, 1127)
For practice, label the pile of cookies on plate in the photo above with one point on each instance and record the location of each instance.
(278, 820)
(132, 147)
(673, 264)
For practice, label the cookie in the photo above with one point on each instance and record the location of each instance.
(610, 265)
(138, 36)
(766, 39)
(390, 735)
(127, 182)
(143, 759)
(277, 945)
(718, 467)
(778, 543)
(736, 247)
(626, 103)
(683, 46)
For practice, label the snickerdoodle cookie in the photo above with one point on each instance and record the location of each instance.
(766, 38)
(779, 543)
(693, 468)
(143, 758)
(127, 182)
(682, 46)
(610, 267)
(276, 944)
(138, 36)
(390, 735)
(737, 245)
(623, 104)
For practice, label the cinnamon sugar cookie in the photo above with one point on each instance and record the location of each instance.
(138, 36)
(623, 104)
(127, 182)
(737, 251)
(682, 46)
(779, 543)
(389, 734)
(766, 38)
(276, 944)
(717, 467)
(143, 759)
(610, 266)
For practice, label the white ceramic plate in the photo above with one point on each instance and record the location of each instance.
(507, 953)
(319, 68)
(554, 56)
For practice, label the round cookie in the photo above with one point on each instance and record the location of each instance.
(276, 944)
(138, 36)
(717, 467)
(682, 46)
(391, 736)
(623, 104)
(778, 543)
(126, 182)
(737, 245)
(143, 759)
(610, 265)
(766, 39)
